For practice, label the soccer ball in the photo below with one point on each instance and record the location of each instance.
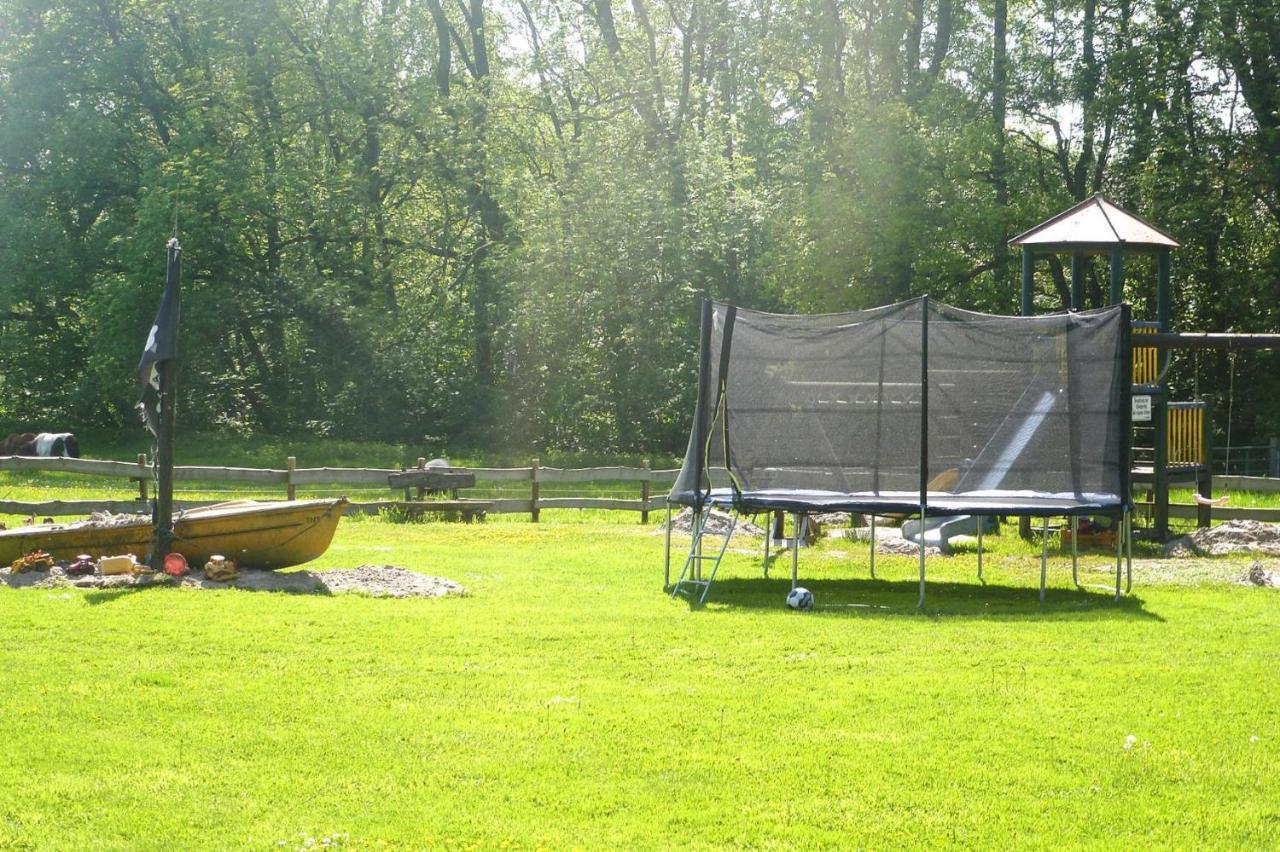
(800, 598)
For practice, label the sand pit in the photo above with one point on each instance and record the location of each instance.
(374, 580)
(717, 524)
(899, 546)
(1233, 537)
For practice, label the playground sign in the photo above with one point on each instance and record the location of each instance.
(1141, 409)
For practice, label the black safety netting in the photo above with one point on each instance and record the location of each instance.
(910, 405)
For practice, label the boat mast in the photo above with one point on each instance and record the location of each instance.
(167, 369)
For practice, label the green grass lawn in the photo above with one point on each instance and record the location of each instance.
(566, 702)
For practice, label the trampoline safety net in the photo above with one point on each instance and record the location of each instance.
(916, 407)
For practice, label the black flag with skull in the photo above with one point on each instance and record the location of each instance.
(162, 343)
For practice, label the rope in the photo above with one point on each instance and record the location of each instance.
(1231, 401)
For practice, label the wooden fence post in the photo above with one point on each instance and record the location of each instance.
(644, 493)
(290, 490)
(533, 492)
(422, 489)
(142, 480)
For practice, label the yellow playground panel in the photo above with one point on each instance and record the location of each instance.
(1186, 433)
(1146, 363)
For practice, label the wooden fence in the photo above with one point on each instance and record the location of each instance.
(291, 477)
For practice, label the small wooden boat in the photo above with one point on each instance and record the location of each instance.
(255, 535)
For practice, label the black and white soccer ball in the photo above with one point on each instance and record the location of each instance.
(800, 598)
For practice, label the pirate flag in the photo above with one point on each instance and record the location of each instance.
(162, 343)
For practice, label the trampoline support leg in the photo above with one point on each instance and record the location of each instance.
(666, 572)
(795, 549)
(920, 600)
(1119, 552)
(1128, 548)
(768, 533)
(981, 524)
(1075, 549)
(873, 547)
(1044, 555)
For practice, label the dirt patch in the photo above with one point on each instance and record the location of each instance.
(717, 524)
(901, 547)
(1199, 569)
(883, 533)
(1258, 575)
(375, 580)
(1246, 537)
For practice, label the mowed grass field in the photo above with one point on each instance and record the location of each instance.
(566, 702)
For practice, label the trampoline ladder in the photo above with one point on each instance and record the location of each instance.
(691, 576)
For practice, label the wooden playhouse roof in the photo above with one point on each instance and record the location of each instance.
(1095, 226)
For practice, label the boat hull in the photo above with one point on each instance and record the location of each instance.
(255, 535)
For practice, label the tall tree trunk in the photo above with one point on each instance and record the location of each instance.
(1087, 92)
(999, 162)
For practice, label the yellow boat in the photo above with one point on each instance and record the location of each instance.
(255, 535)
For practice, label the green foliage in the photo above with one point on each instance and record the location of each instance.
(490, 228)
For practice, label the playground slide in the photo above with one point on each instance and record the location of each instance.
(938, 531)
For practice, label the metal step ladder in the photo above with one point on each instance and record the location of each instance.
(691, 576)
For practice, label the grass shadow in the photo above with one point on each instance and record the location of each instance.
(98, 597)
(866, 596)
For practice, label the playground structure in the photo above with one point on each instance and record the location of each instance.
(911, 409)
(1178, 437)
(1093, 227)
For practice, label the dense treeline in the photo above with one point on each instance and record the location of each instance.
(488, 222)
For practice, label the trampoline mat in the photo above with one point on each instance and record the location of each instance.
(908, 502)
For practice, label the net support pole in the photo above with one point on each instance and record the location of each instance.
(1126, 408)
(1044, 556)
(924, 432)
(873, 547)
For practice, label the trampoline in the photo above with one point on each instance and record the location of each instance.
(917, 408)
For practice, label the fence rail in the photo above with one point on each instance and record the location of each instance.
(291, 477)
(1253, 459)
(1190, 511)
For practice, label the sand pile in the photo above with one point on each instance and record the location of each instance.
(375, 580)
(717, 524)
(1225, 539)
(901, 547)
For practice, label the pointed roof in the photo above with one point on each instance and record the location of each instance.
(1095, 225)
